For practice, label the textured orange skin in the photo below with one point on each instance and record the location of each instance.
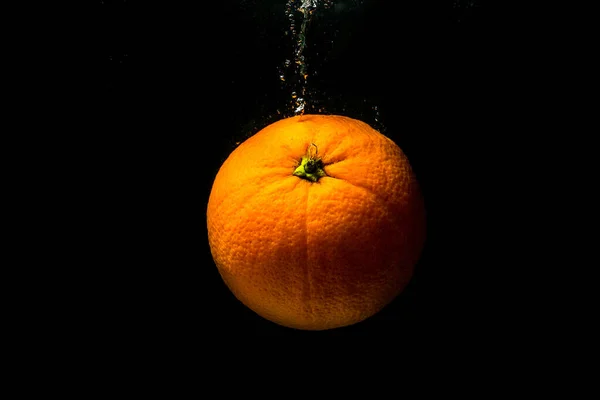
(316, 255)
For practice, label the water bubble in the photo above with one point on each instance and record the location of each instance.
(299, 13)
(309, 4)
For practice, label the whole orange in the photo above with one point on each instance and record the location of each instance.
(316, 221)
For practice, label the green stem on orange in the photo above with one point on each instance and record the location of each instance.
(310, 168)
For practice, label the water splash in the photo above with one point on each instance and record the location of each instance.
(306, 4)
(299, 14)
(295, 73)
(298, 97)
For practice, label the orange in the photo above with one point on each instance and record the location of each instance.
(316, 221)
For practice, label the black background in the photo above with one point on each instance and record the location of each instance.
(179, 85)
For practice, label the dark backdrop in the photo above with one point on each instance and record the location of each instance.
(179, 85)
